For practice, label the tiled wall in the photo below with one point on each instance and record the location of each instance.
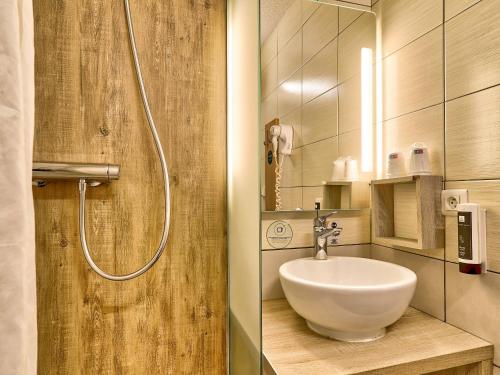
(311, 80)
(441, 86)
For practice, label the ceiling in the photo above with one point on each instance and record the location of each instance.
(271, 12)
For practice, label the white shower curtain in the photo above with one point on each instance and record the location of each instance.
(18, 339)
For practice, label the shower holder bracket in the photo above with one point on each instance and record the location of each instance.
(95, 174)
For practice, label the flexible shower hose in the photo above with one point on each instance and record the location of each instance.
(164, 168)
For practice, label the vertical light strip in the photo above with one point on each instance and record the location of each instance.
(379, 98)
(366, 110)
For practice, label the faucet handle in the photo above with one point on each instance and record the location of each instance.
(322, 219)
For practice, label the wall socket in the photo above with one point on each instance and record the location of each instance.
(450, 199)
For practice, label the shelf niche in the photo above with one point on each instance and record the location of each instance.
(390, 199)
(337, 194)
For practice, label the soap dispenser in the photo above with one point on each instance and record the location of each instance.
(471, 220)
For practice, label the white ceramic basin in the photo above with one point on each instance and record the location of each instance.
(345, 298)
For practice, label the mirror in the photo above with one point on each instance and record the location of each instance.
(317, 104)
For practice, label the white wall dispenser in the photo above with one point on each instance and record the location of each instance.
(471, 220)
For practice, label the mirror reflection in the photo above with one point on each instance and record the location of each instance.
(317, 118)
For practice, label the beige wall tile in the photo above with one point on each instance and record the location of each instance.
(360, 34)
(360, 194)
(319, 30)
(473, 136)
(496, 370)
(453, 7)
(308, 8)
(320, 73)
(295, 119)
(473, 304)
(289, 23)
(269, 78)
(473, 49)
(317, 161)
(290, 58)
(429, 295)
(403, 21)
(426, 126)
(347, 16)
(292, 169)
(487, 194)
(271, 263)
(411, 81)
(319, 118)
(405, 211)
(269, 49)
(356, 229)
(350, 105)
(273, 259)
(350, 145)
(269, 109)
(309, 195)
(290, 94)
(291, 198)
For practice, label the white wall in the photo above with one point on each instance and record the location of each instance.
(243, 185)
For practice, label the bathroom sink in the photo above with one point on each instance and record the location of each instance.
(347, 298)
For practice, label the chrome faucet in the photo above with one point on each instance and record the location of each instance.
(322, 234)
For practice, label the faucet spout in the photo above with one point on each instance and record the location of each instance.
(321, 236)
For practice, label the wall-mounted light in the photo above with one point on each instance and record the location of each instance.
(366, 110)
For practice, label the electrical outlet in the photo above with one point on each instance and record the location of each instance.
(451, 198)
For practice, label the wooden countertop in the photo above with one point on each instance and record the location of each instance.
(416, 344)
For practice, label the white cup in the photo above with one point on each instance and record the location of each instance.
(395, 165)
(419, 160)
(338, 173)
(351, 170)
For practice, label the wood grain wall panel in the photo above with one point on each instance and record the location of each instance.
(321, 28)
(290, 23)
(454, 7)
(350, 105)
(291, 198)
(269, 48)
(288, 58)
(403, 21)
(348, 16)
(405, 211)
(319, 117)
(473, 49)
(317, 161)
(269, 77)
(359, 35)
(308, 9)
(269, 109)
(487, 194)
(426, 126)
(473, 136)
(290, 94)
(412, 81)
(292, 169)
(88, 109)
(473, 304)
(320, 73)
(429, 295)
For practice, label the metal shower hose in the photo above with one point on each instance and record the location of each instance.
(164, 168)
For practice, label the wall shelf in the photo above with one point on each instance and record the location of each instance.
(337, 194)
(406, 212)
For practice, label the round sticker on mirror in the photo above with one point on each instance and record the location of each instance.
(279, 234)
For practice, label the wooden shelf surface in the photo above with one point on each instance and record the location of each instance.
(416, 344)
(401, 180)
(337, 183)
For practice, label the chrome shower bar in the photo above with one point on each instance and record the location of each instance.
(94, 174)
